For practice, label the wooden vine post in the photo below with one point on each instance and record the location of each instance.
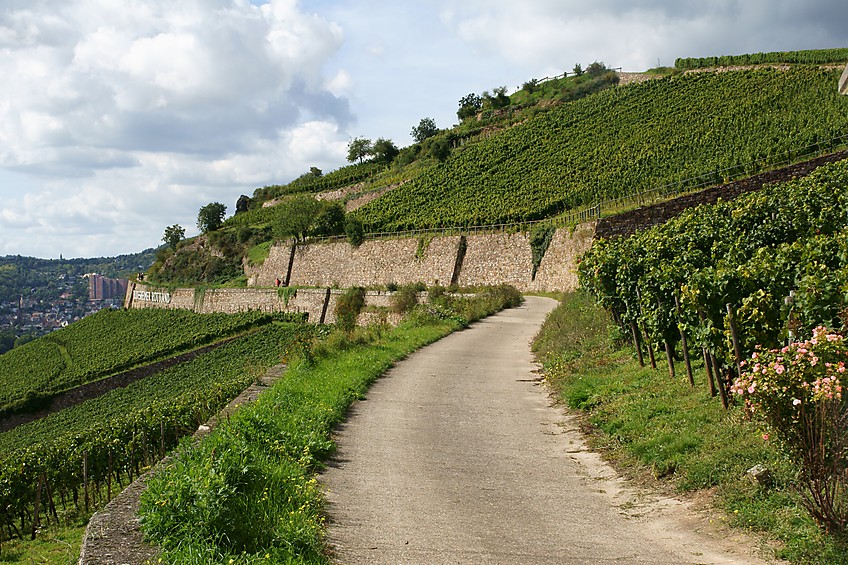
(635, 331)
(668, 353)
(85, 477)
(645, 331)
(737, 350)
(707, 363)
(683, 342)
(35, 521)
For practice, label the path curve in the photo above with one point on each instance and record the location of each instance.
(457, 456)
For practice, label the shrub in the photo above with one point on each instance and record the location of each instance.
(404, 299)
(796, 394)
(348, 307)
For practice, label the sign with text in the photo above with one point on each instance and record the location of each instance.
(147, 296)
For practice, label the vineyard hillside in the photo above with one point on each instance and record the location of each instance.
(620, 142)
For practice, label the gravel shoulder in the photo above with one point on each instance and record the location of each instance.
(458, 455)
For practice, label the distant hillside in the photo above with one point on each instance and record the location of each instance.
(37, 278)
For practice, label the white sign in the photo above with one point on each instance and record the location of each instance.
(147, 296)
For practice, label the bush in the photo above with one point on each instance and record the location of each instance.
(404, 299)
(354, 231)
(348, 307)
(796, 394)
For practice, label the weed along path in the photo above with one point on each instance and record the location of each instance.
(457, 456)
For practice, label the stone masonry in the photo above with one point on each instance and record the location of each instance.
(495, 258)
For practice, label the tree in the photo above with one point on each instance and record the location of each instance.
(173, 235)
(329, 220)
(384, 151)
(425, 128)
(358, 149)
(243, 203)
(578, 70)
(439, 150)
(596, 69)
(315, 172)
(469, 105)
(210, 217)
(354, 231)
(498, 98)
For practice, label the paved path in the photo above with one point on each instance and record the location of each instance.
(456, 456)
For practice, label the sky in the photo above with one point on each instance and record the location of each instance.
(120, 118)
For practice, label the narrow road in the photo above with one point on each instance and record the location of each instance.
(457, 456)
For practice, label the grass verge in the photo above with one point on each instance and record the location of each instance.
(659, 430)
(248, 493)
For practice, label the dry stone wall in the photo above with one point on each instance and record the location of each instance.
(234, 300)
(495, 258)
(374, 263)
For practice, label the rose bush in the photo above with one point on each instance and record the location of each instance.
(796, 393)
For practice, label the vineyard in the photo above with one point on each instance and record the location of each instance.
(812, 57)
(105, 343)
(110, 439)
(720, 280)
(620, 142)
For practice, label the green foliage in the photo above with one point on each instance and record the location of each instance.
(354, 231)
(404, 299)
(348, 307)
(104, 343)
(540, 240)
(210, 217)
(425, 128)
(750, 253)
(469, 106)
(173, 235)
(384, 151)
(666, 130)
(811, 57)
(125, 426)
(358, 149)
(303, 216)
(311, 183)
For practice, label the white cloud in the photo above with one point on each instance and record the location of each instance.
(120, 113)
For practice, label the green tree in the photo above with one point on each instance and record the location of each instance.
(210, 217)
(498, 98)
(384, 151)
(173, 235)
(358, 149)
(469, 106)
(329, 220)
(439, 150)
(354, 231)
(596, 69)
(425, 128)
(578, 70)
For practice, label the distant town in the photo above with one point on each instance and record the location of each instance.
(40, 316)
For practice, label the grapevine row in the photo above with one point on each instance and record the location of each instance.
(731, 276)
(104, 343)
(114, 436)
(620, 142)
(812, 57)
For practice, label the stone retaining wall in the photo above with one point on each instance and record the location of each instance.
(495, 258)
(234, 300)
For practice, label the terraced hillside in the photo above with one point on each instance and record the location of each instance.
(620, 142)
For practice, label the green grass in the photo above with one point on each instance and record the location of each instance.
(659, 430)
(248, 493)
(53, 546)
